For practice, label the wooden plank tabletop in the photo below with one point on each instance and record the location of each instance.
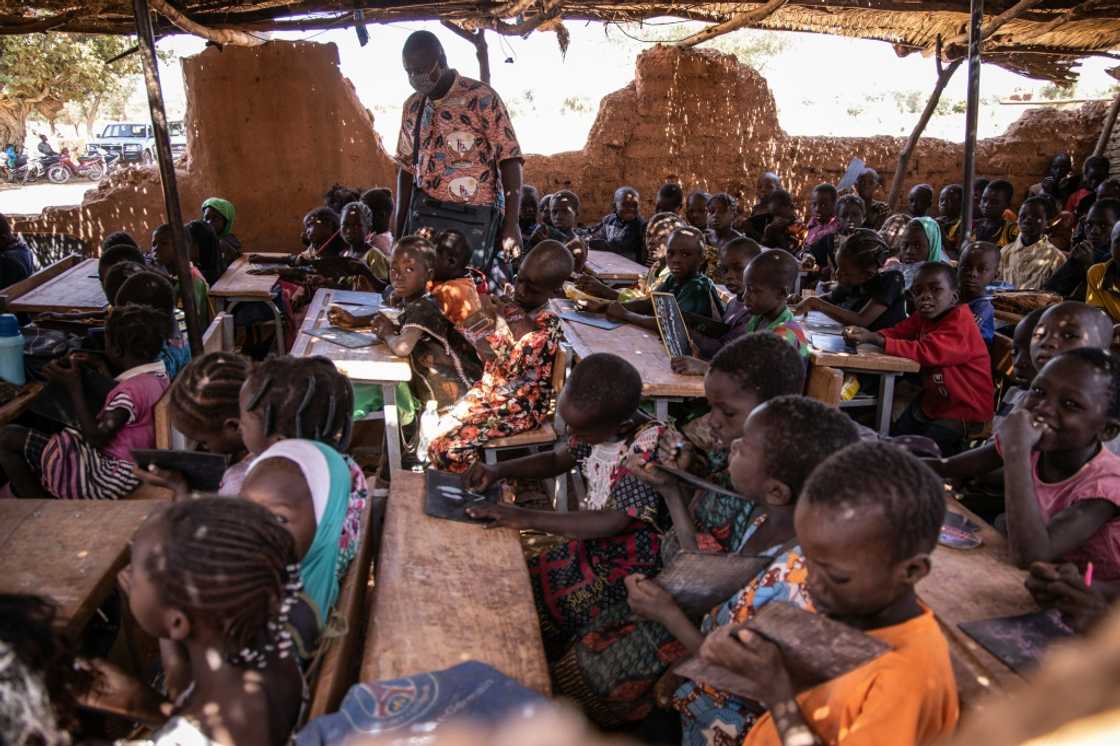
(871, 362)
(67, 550)
(373, 364)
(607, 265)
(642, 348)
(238, 283)
(76, 289)
(17, 406)
(968, 585)
(448, 592)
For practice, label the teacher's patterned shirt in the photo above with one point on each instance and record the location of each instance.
(463, 138)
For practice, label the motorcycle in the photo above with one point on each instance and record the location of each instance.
(37, 169)
(90, 166)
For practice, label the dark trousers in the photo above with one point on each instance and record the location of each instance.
(948, 434)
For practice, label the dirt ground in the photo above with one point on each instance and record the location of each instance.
(30, 199)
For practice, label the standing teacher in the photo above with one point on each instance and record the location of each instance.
(458, 161)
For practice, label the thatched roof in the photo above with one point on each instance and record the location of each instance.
(1040, 38)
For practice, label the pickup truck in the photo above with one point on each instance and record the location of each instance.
(135, 143)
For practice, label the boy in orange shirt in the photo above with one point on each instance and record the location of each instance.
(867, 521)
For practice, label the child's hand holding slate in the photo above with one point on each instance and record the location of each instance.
(480, 477)
(63, 371)
(1062, 587)
(688, 366)
(752, 656)
(647, 599)
(502, 516)
(165, 479)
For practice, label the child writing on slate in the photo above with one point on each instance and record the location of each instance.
(95, 461)
(867, 521)
(733, 260)
(957, 390)
(1061, 486)
(694, 291)
(767, 282)
(864, 296)
(616, 662)
(621, 532)
(444, 365)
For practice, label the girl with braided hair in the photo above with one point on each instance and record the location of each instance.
(218, 577)
(94, 461)
(444, 364)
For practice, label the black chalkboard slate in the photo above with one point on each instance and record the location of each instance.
(203, 471)
(56, 408)
(447, 498)
(670, 322)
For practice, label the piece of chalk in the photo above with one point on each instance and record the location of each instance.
(1089, 575)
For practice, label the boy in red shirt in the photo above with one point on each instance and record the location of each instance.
(943, 338)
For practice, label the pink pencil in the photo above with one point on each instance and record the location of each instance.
(1089, 575)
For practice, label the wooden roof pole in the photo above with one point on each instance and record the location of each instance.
(993, 25)
(944, 74)
(218, 36)
(733, 23)
(167, 170)
(481, 50)
(1070, 15)
(972, 114)
(1109, 123)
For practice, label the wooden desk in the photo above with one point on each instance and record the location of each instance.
(886, 367)
(375, 365)
(67, 550)
(614, 268)
(643, 349)
(70, 284)
(17, 406)
(968, 585)
(449, 592)
(237, 286)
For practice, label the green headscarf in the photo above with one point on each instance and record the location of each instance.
(933, 237)
(328, 480)
(225, 207)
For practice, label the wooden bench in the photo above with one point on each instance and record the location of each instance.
(448, 592)
(338, 661)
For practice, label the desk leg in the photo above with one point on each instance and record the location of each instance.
(885, 404)
(661, 409)
(392, 426)
(278, 319)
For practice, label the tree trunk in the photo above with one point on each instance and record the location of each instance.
(13, 122)
(90, 114)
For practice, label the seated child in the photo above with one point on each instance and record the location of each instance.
(784, 231)
(1094, 171)
(867, 521)
(163, 255)
(152, 289)
(515, 392)
(949, 204)
(1062, 487)
(216, 578)
(613, 665)
(822, 209)
(117, 254)
(620, 531)
(219, 214)
(876, 211)
(1031, 260)
(696, 209)
(993, 225)
(321, 235)
(355, 225)
(921, 243)
(456, 287)
(529, 211)
(721, 216)
(976, 270)
(864, 295)
(563, 209)
(659, 229)
(307, 484)
(95, 461)
(205, 407)
(849, 217)
(957, 390)
(733, 260)
(670, 198)
(1069, 279)
(1022, 368)
(444, 364)
(16, 260)
(380, 203)
(118, 238)
(767, 282)
(1102, 281)
(695, 292)
(621, 231)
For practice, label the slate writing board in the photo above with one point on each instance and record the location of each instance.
(1018, 641)
(855, 168)
(831, 343)
(699, 581)
(342, 337)
(670, 322)
(203, 471)
(355, 298)
(591, 319)
(446, 497)
(696, 481)
(54, 402)
(815, 649)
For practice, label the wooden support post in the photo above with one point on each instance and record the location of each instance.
(972, 115)
(481, 50)
(1109, 123)
(943, 77)
(733, 23)
(167, 170)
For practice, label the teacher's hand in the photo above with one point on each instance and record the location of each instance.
(510, 238)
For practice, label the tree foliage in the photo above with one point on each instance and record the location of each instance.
(43, 74)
